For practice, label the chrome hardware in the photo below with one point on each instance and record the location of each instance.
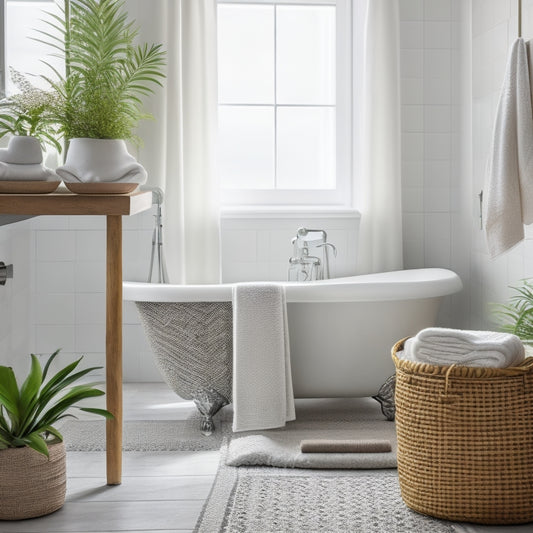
(303, 265)
(157, 239)
(326, 256)
(6, 271)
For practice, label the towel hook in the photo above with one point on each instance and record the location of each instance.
(480, 196)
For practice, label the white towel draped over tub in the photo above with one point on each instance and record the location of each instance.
(443, 346)
(263, 397)
(510, 172)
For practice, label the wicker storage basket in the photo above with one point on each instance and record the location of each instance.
(32, 485)
(465, 440)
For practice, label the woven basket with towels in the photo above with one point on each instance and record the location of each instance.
(465, 440)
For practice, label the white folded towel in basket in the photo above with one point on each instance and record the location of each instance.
(443, 346)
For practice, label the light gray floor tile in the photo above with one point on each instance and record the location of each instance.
(140, 489)
(150, 464)
(110, 516)
(476, 528)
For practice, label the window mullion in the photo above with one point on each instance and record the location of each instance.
(2, 48)
(275, 98)
(309, 139)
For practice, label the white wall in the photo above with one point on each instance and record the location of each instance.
(259, 247)
(69, 289)
(433, 147)
(15, 297)
(494, 28)
(68, 270)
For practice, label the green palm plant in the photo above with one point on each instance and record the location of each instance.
(106, 74)
(27, 414)
(517, 315)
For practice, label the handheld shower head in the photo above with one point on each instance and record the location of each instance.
(158, 194)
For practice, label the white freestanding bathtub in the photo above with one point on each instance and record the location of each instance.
(341, 330)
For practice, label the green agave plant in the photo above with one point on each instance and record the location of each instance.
(517, 315)
(106, 74)
(27, 414)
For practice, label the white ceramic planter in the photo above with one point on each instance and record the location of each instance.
(22, 161)
(100, 161)
(22, 150)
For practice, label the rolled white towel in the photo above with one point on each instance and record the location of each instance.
(443, 346)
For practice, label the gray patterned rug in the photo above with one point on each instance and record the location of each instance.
(145, 435)
(273, 500)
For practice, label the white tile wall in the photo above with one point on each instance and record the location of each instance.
(259, 247)
(431, 154)
(57, 299)
(494, 28)
(69, 295)
(15, 297)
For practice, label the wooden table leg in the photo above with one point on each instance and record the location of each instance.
(114, 349)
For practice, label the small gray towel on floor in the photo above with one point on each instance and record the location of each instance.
(345, 446)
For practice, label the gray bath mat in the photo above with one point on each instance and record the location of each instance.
(144, 435)
(358, 418)
(272, 500)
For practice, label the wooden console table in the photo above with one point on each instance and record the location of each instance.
(113, 207)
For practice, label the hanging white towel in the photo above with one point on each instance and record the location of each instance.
(263, 397)
(443, 346)
(509, 188)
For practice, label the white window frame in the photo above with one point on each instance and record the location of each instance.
(2, 48)
(341, 196)
(3, 67)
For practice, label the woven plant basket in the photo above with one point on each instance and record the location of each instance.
(31, 484)
(465, 440)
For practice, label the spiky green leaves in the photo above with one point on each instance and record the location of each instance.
(517, 315)
(27, 414)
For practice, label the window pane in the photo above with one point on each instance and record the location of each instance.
(305, 55)
(246, 54)
(22, 52)
(306, 148)
(246, 146)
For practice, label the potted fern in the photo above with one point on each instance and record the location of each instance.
(101, 92)
(517, 315)
(32, 452)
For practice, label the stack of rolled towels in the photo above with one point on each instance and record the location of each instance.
(444, 347)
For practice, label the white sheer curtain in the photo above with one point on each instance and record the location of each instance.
(378, 194)
(179, 150)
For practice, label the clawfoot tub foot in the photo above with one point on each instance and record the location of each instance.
(385, 397)
(208, 402)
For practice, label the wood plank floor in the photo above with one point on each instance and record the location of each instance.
(160, 492)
